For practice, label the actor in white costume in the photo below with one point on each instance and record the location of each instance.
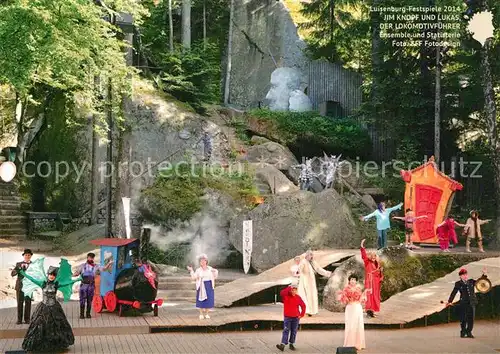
(295, 268)
(307, 282)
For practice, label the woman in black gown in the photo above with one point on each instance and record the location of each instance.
(49, 329)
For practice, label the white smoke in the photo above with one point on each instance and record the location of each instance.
(206, 232)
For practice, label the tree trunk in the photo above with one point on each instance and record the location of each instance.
(109, 164)
(437, 109)
(332, 24)
(170, 27)
(376, 57)
(204, 24)
(229, 53)
(94, 191)
(25, 136)
(490, 114)
(186, 24)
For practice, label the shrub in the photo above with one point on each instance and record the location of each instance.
(192, 77)
(309, 134)
(177, 197)
(418, 270)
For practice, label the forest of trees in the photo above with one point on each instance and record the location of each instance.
(53, 52)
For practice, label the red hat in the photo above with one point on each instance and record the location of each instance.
(462, 271)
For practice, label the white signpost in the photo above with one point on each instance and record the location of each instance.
(247, 244)
(126, 212)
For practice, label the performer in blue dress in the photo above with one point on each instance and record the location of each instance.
(205, 283)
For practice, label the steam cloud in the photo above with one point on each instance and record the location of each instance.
(205, 231)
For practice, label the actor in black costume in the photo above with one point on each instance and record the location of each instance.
(49, 330)
(467, 303)
(23, 301)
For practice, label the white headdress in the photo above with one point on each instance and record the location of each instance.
(202, 256)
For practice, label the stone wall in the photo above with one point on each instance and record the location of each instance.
(265, 37)
(156, 128)
(263, 31)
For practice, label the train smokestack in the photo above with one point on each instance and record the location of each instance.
(145, 239)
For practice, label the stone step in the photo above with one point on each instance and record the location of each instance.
(8, 191)
(184, 283)
(13, 232)
(12, 212)
(191, 299)
(14, 225)
(166, 285)
(8, 219)
(187, 280)
(10, 205)
(175, 278)
(16, 236)
(183, 278)
(9, 198)
(179, 293)
(7, 185)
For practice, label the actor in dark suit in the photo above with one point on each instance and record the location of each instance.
(467, 303)
(23, 302)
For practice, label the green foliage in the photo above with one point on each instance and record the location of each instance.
(174, 256)
(399, 90)
(176, 194)
(397, 234)
(192, 77)
(401, 276)
(407, 151)
(309, 129)
(48, 46)
(337, 30)
(391, 183)
(57, 145)
(240, 128)
(417, 270)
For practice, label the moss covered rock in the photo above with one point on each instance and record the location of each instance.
(338, 281)
(178, 194)
(287, 225)
(402, 270)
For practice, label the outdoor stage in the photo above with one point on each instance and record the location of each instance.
(406, 309)
(184, 318)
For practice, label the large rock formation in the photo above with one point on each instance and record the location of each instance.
(272, 153)
(392, 258)
(264, 38)
(277, 182)
(160, 134)
(338, 281)
(287, 225)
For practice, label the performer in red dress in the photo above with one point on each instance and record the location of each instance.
(373, 278)
(446, 233)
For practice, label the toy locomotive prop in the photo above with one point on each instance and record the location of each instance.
(127, 283)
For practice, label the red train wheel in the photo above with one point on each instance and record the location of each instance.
(110, 300)
(97, 303)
